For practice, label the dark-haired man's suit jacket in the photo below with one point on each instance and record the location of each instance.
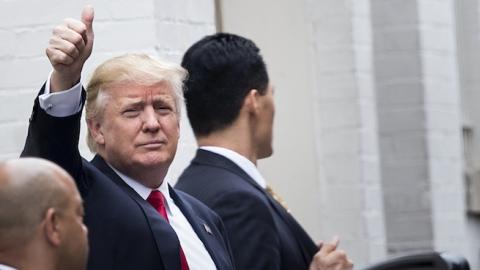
(263, 235)
(125, 231)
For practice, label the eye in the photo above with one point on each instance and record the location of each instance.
(163, 108)
(131, 112)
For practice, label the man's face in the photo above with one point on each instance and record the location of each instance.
(264, 129)
(139, 128)
(73, 251)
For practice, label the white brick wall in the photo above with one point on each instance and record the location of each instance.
(401, 125)
(420, 125)
(468, 27)
(345, 104)
(443, 124)
(164, 29)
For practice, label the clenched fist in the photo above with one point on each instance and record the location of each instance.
(69, 47)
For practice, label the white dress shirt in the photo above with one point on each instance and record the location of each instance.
(6, 267)
(194, 249)
(65, 103)
(241, 161)
(61, 104)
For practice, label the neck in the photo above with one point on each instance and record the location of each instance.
(28, 258)
(151, 178)
(147, 176)
(236, 137)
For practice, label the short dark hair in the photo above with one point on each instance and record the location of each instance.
(222, 69)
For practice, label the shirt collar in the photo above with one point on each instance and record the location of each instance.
(6, 267)
(241, 161)
(142, 190)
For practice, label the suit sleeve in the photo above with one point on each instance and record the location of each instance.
(251, 229)
(56, 139)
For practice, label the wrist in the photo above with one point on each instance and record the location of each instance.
(62, 81)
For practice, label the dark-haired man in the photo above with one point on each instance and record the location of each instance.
(230, 106)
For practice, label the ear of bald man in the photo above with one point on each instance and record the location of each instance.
(69, 47)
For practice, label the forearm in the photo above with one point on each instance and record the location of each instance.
(54, 138)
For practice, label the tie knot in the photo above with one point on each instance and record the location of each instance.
(156, 199)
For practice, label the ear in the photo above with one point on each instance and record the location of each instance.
(251, 102)
(52, 227)
(95, 128)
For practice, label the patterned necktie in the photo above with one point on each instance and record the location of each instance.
(277, 198)
(157, 200)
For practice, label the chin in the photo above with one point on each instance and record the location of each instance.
(155, 161)
(265, 154)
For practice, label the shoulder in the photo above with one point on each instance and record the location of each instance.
(243, 202)
(199, 207)
(201, 180)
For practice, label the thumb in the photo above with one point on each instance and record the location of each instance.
(335, 241)
(87, 18)
(328, 247)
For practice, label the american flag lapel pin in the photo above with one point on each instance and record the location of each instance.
(207, 229)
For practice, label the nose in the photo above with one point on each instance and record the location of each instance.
(150, 120)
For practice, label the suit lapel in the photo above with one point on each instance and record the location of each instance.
(165, 237)
(199, 226)
(305, 243)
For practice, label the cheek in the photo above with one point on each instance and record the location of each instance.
(171, 127)
(126, 128)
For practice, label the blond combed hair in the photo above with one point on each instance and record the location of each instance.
(134, 68)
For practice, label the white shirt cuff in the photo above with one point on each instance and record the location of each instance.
(61, 104)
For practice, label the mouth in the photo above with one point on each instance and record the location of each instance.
(152, 144)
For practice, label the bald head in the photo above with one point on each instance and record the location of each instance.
(28, 188)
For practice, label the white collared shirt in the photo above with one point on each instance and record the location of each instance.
(65, 103)
(61, 104)
(194, 249)
(241, 161)
(6, 267)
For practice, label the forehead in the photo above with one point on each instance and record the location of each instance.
(132, 90)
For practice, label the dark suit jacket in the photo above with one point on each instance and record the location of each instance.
(125, 231)
(263, 235)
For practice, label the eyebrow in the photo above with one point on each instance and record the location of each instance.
(134, 103)
(139, 101)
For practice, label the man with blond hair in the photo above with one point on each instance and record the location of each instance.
(41, 217)
(135, 219)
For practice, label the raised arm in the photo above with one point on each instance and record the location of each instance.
(51, 135)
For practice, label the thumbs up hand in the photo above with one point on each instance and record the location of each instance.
(69, 47)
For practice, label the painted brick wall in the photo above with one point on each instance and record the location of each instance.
(161, 28)
(347, 144)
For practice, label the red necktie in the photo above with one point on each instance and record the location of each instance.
(157, 200)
